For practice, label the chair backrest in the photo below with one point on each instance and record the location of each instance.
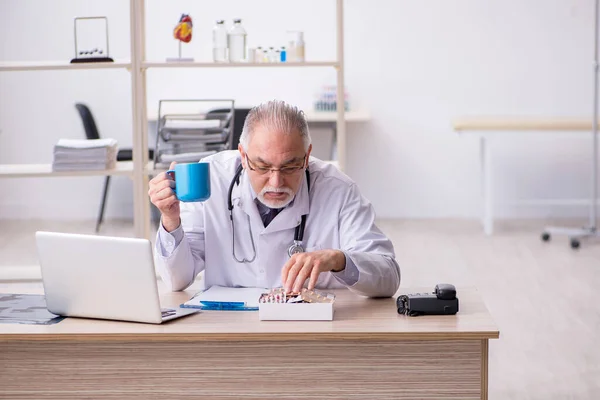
(239, 117)
(91, 131)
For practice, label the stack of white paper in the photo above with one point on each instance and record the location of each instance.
(192, 124)
(85, 155)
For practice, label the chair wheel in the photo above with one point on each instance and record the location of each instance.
(575, 243)
(545, 236)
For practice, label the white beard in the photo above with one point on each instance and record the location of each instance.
(276, 203)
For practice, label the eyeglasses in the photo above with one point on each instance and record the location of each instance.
(286, 170)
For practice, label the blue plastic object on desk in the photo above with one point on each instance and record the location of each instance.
(225, 298)
(223, 303)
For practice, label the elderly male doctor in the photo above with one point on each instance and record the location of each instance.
(275, 185)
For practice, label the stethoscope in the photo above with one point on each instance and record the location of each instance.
(296, 247)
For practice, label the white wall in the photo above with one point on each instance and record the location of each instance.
(414, 65)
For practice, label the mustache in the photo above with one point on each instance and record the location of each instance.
(276, 190)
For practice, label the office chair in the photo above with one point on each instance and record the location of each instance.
(239, 117)
(91, 132)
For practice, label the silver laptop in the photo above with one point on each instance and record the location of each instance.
(101, 277)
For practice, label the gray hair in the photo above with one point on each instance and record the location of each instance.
(277, 115)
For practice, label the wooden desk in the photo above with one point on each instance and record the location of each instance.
(485, 128)
(367, 352)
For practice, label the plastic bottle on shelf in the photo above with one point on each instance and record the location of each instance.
(259, 55)
(299, 47)
(251, 55)
(291, 52)
(272, 55)
(220, 42)
(266, 55)
(283, 54)
(236, 42)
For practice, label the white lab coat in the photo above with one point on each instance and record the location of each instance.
(338, 217)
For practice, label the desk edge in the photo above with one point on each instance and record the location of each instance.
(248, 336)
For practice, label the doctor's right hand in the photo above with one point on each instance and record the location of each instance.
(163, 197)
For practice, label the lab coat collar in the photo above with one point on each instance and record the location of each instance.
(242, 198)
(290, 217)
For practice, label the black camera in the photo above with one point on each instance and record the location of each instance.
(442, 301)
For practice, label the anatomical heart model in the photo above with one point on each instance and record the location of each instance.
(183, 33)
(183, 30)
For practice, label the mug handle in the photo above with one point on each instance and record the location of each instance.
(171, 173)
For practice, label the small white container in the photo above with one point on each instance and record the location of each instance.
(299, 47)
(251, 55)
(296, 311)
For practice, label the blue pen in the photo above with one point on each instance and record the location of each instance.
(211, 308)
(223, 304)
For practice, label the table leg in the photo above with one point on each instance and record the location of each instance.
(486, 185)
(484, 368)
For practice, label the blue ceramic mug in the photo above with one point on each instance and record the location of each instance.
(192, 181)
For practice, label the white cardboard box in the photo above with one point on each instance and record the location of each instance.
(296, 311)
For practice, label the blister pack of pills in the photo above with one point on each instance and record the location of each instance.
(279, 295)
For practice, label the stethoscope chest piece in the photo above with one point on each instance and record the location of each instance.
(295, 248)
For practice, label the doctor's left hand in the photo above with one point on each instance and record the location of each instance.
(303, 266)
